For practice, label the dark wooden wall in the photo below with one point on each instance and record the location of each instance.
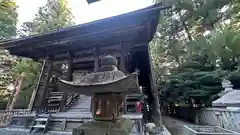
(129, 60)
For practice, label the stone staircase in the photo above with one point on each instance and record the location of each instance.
(40, 123)
(72, 100)
(81, 104)
(55, 100)
(78, 112)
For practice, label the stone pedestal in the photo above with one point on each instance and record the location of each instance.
(120, 127)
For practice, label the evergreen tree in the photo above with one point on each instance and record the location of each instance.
(190, 63)
(8, 21)
(53, 16)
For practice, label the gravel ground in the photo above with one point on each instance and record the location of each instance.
(17, 131)
(13, 131)
(174, 126)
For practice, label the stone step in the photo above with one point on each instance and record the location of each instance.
(41, 119)
(55, 97)
(40, 123)
(82, 103)
(53, 100)
(53, 105)
(39, 126)
(56, 92)
(80, 110)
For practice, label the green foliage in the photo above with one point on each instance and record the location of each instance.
(235, 77)
(8, 19)
(54, 15)
(198, 83)
(3, 104)
(30, 70)
(189, 63)
(6, 77)
(235, 15)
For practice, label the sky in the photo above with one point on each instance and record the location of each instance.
(81, 10)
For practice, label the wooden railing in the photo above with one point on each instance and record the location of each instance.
(6, 115)
(71, 98)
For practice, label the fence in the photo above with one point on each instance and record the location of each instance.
(5, 115)
(221, 117)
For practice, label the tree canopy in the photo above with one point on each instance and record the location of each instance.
(8, 21)
(195, 47)
(53, 16)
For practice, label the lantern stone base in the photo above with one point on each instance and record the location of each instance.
(120, 127)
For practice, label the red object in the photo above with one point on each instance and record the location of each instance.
(139, 107)
(98, 112)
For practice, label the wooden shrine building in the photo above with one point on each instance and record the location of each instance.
(70, 52)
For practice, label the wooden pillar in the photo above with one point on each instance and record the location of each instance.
(69, 73)
(123, 60)
(35, 91)
(47, 76)
(96, 68)
(69, 77)
(156, 112)
(96, 59)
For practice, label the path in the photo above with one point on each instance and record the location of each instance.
(16, 131)
(174, 126)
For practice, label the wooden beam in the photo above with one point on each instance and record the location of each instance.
(46, 81)
(88, 52)
(84, 66)
(99, 35)
(70, 68)
(35, 91)
(122, 60)
(92, 1)
(96, 59)
(69, 77)
(86, 58)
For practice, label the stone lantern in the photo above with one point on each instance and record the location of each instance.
(107, 87)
